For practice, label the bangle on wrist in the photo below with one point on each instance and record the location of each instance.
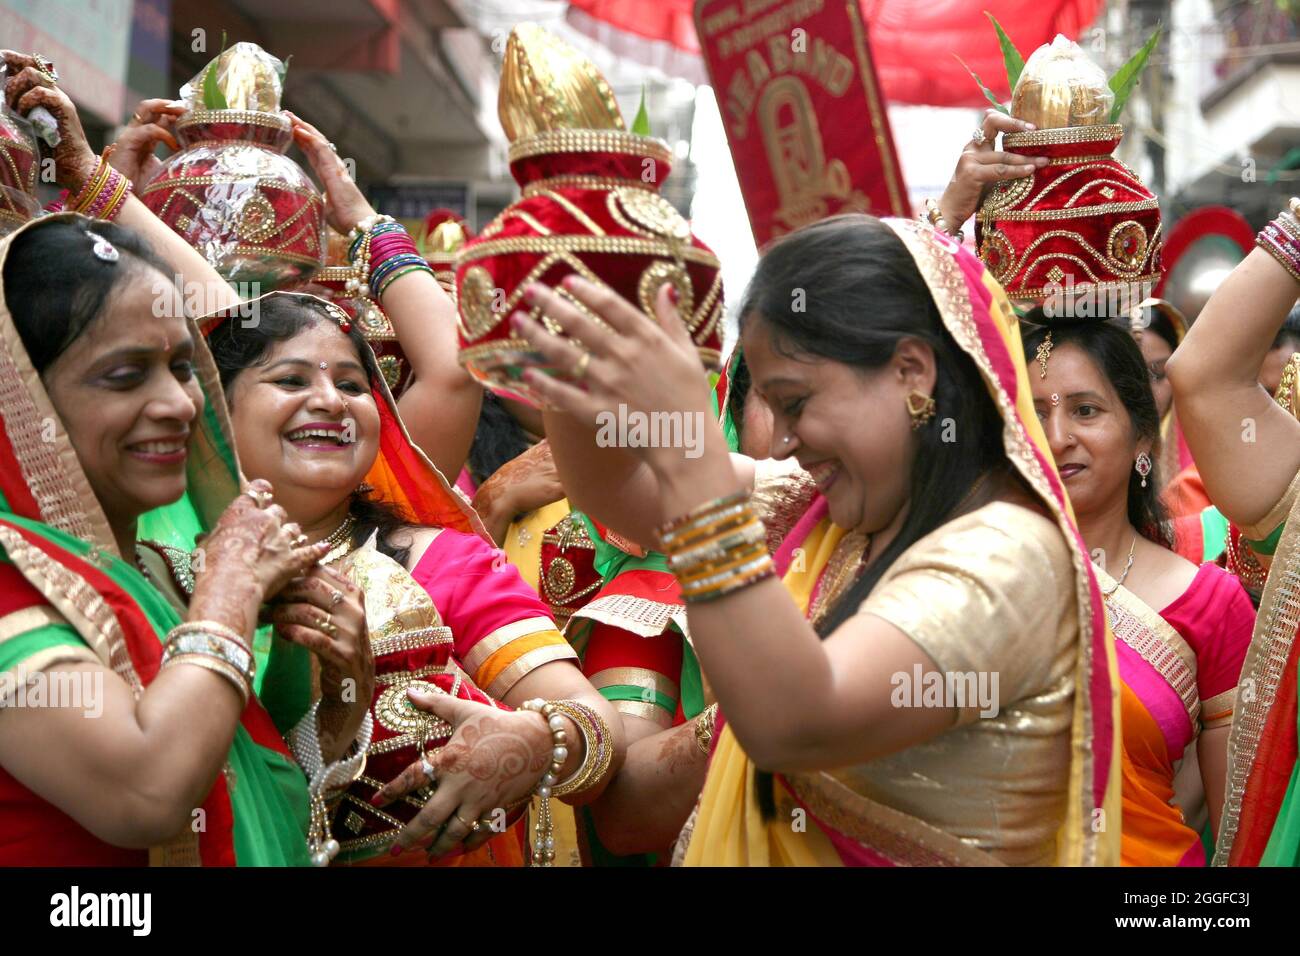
(934, 216)
(544, 828)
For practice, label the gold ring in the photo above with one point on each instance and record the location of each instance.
(299, 541)
(327, 626)
(260, 498)
(474, 827)
(580, 370)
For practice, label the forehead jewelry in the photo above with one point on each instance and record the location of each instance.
(339, 316)
(1043, 353)
(103, 250)
(1056, 399)
(323, 366)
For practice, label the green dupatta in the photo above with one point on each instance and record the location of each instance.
(53, 530)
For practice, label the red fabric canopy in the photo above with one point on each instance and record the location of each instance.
(912, 41)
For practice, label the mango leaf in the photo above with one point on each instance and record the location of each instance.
(213, 96)
(989, 94)
(1122, 83)
(641, 125)
(284, 69)
(1010, 55)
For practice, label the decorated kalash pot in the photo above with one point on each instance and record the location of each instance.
(590, 206)
(1081, 234)
(444, 235)
(231, 191)
(19, 161)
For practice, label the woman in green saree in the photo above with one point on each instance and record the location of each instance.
(109, 412)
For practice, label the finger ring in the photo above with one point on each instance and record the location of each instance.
(138, 118)
(260, 498)
(428, 768)
(336, 598)
(299, 541)
(978, 137)
(472, 827)
(46, 67)
(580, 369)
(333, 148)
(327, 626)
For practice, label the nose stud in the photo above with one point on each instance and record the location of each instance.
(785, 440)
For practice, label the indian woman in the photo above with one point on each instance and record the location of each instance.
(449, 618)
(1181, 630)
(901, 391)
(1247, 447)
(108, 415)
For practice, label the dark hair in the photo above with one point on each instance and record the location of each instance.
(738, 393)
(1290, 331)
(1158, 322)
(1117, 356)
(238, 345)
(848, 290)
(55, 285)
(497, 440)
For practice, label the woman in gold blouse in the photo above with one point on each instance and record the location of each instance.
(934, 683)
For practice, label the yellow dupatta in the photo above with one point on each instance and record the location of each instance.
(728, 828)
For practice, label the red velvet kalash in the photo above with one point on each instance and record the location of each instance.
(590, 206)
(1084, 219)
(18, 165)
(234, 195)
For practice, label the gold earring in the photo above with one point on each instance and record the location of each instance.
(922, 410)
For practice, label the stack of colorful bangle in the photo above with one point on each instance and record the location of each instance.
(214, 647)
(103, 195)
(1281, 239)
(596, 761)
(382, 251)
(717, 548)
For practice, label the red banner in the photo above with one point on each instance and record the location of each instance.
(801, 104)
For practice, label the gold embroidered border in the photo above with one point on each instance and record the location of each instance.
(244, 117)
(879, 122)
(1062, 136)
(530, 661)
(899, 837)
(639, 615)
(936, 259)
(489, 644)
(590, 141)
(578, 181)
(20, 622)
(231, 180)
(1078, 212)
(1261, 673)
(412, 640)
(636, 677)
(1155, 641)
(644, 710)
(609, 245)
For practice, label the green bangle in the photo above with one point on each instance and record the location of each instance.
(399, 273)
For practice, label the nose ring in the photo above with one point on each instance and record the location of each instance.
(785, 440)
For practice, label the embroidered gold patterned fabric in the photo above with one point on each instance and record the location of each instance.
(998, 783)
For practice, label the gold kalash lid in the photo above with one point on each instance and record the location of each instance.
(547, 85)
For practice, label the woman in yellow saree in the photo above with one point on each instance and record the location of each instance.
(942, 687)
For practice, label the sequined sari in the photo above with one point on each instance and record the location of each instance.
(67, 595)
(856, 816)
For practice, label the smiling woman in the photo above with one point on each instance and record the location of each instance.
(454, 629)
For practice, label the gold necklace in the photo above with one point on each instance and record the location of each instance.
(340, 540)
(1127, 568)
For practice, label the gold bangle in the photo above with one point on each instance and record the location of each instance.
(717, 504)
(217, 666)
(599, 749)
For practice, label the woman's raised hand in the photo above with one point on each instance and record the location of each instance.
(345, 205)
(982, 164)
(251, 554)
(152, 123)
(637, 365)
(28, 87)
(493, 761)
